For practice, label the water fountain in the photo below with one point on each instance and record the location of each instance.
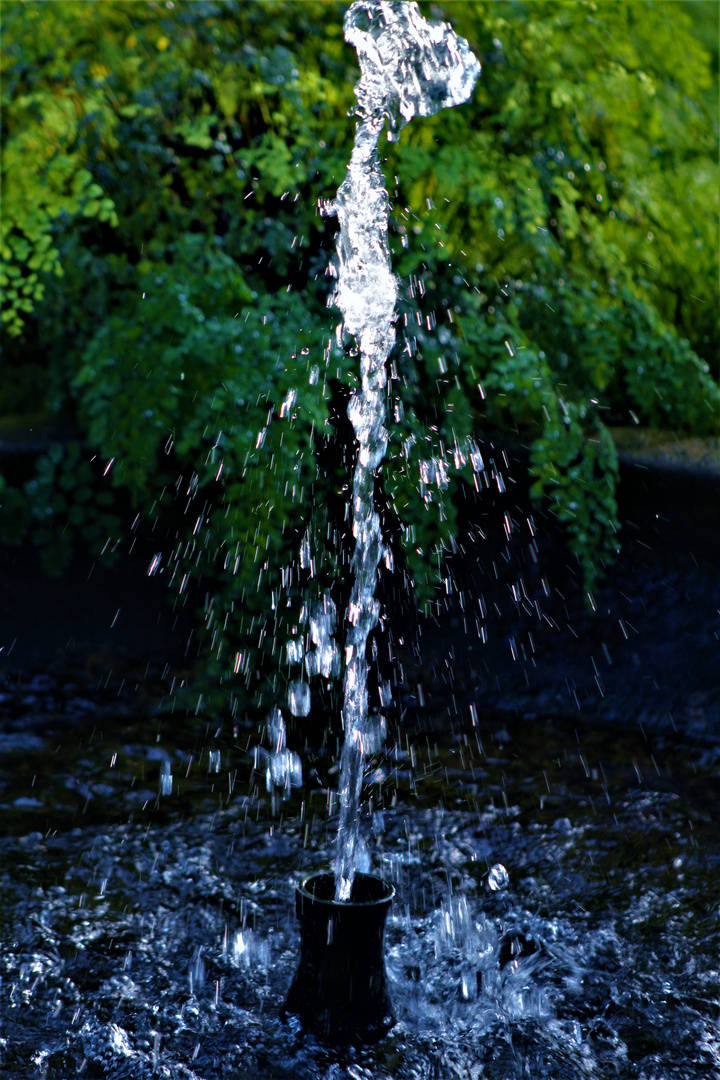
(409, 68)
(147, 929)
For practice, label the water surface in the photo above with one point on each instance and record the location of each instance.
(150, 935)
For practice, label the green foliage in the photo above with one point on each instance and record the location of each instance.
(588, 152)
(207, 399)
(556, 239)
(46, 121)
(568, 249)
(59, 500)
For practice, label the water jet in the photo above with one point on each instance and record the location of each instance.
(409, 67)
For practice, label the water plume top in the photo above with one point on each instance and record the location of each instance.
(409, 66)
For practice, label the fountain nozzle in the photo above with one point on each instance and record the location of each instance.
(339, 989)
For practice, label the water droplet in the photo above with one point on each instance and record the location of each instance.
(498, 879)
(295, 650)
(299, 698)
(166, 780)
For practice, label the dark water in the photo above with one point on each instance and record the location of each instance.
(148, 935)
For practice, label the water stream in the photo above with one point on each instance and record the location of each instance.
(409, 68)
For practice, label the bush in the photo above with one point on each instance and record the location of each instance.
(556, 239)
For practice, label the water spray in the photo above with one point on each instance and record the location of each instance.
(408, 67)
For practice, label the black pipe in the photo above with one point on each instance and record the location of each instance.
(339, 990)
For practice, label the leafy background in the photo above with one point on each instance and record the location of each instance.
(165, 295)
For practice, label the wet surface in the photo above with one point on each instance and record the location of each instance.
(148, 934)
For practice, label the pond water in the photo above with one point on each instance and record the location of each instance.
(148, 934)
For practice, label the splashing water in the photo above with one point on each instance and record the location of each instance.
(282, 767)
(409, 67)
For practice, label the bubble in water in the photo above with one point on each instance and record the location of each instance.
(299, 698)
(498, 878)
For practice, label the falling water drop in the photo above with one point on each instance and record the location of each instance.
(295, 650)
(299, 698)
(166, 780)
(498, 879)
